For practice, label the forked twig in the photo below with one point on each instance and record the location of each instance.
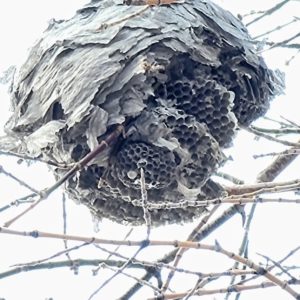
(269, 12)
(147, 218)
(181, 251)
(268, 174)
(270, 138)
(184, 244)
(18, 180)
(111, 139)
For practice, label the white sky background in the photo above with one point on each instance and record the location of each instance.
(274, 232)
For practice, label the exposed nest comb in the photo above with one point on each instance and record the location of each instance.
(179, 77)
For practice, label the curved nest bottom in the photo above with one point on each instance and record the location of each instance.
(126, 211)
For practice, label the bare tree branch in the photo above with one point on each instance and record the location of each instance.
(269, 12)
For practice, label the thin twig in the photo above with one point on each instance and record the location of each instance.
(260, 186)
(277, 131)
(185, 244)
(238, 197)
(159, 265)
(245, 242)
(283, 153)
(120, 270)
(284, 43)
(64, 211)
(78, 166)
(268, 12)
(233, 289)
(118, 247)
(147, 216)
(276, 28)
(270, 138)
(15, 203)
(193, 290)
(268, 174)
(181, 251)
(62, 264)
(135, 14)
(278, 265)
(279, 164)
(290, 122)
(292, 252)
(18, 180)
(40, 261)
(111, 253)
(293, 56)
(282, 124)
(145, 283)
(229, 177)
(35, 159)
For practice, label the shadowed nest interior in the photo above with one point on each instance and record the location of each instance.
(179, 77)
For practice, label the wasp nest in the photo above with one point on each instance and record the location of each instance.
(180, 78)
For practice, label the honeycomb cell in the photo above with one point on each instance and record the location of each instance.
(204, 99)
(158, 165)
(200, 144)
(90, 176)
(247, 90)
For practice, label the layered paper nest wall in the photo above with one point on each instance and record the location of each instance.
(179, 77)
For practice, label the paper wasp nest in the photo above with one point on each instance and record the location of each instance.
(179, 77)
